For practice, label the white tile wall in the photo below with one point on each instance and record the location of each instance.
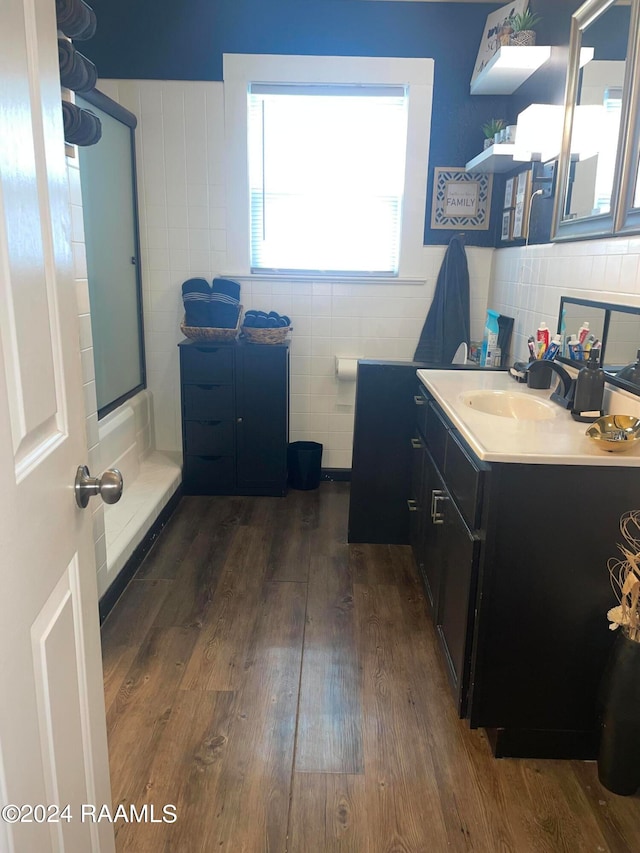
(527, 283)
(180, 143)
(86, 352)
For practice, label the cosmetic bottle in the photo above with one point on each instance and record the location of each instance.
(554, 348)
(587, 402)
(575, 348)
(542, 336)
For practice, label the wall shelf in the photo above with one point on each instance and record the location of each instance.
(508, 68)
(496, 158)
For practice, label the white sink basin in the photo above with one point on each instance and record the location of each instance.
(509, 404)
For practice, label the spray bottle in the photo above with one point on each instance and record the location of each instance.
(490, 340)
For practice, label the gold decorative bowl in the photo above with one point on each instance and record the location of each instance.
(615, 433)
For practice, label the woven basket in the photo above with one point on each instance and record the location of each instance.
(265, 336)
(523, 38)
(209, 333)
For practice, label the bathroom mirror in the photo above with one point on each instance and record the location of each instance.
(593, 179)
(576, 314)
(617, 326)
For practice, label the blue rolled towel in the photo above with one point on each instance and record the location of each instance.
(81, 127)
(225, 291)
(76, 71)
(223, 316)
(75, 19)
(196, 296)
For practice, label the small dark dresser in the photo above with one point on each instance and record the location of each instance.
(235, 417)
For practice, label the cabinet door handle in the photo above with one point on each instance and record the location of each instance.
(437, 495)
(238, 420)
(416, 444)
(413, 506)
(419, 400)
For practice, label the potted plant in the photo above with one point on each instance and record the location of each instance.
(523, 25)
(619, 756)
(490, 128)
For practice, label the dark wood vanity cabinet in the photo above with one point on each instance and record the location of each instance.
(445, 545)
(514, 563)
(235, 427)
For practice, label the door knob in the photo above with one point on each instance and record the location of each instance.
(109, 486)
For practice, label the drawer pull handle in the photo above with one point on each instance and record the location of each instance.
(419, 400)
(416, 444)
(211, 423)
(206, 349)
(437, 495)
(413, 506)
(207, 387)
(211, 458)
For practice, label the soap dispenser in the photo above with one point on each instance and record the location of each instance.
(631, 373)
(587, 402)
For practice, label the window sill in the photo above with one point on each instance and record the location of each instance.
(326, 278)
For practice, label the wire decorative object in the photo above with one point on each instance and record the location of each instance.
(625, 579)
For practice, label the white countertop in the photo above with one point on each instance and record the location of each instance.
(557, 441)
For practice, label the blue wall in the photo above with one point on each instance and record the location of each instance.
(185, 40)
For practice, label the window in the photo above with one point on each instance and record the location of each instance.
(606, 164)
(326, 177)
(326, 165)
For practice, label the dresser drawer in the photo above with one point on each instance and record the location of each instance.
(207, 401)
(436, 435)
(207, 364)
(464, 480)
(207, 438)
(209, 475)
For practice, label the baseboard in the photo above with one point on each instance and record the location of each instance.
(536, 743)
(336, 475)
(108, 600)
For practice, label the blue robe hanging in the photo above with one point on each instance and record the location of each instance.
(447, 324)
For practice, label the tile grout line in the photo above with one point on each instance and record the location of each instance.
(295, 737)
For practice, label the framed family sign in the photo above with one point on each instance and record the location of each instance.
(461, 199)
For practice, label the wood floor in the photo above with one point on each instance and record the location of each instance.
(284, 690)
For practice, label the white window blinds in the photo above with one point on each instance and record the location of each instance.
(326, 173)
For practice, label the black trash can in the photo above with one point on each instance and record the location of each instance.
(304, 459)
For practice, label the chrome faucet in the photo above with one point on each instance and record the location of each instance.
(539, 376)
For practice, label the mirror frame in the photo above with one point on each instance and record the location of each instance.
(615, 221)
(608, 308)
(628, 216)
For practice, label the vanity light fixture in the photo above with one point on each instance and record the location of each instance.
(539, 138)
(539, 132)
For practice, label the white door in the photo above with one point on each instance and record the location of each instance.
(53, 749)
